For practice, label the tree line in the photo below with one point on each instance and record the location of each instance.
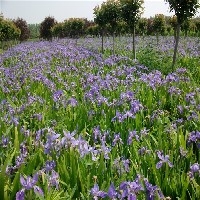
(106, 16)
(112, 17)
(80, 27)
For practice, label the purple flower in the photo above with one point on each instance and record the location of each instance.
(49, 165)
(163, 159)
(143, 151)
(38, 134)
(38, 116)
(129, 95)
(136, 106)
(173, 90)
(57, 95)
(38, 190)
(121, 165)
(194, 136)
(181, 70)
(95, 192)
(83, 147)
(118, 116)
(20, 195)
(132, 134)
(72, 101)
(190, 98)
(15, 121)
(28, 182)
(105, 150)
(131, 189)
(112, 193)
(4, 141)
(117, 139)
(10, 170)
(180, 109)
(68, 140)
(123, 189)
(134, 187)
(53, 179)
(96, 133)
(156, 114)
(19, 161)
(152, 191)
(144, 132)
(23, 150)
(195, 168)
(52, 139)
(126, 165)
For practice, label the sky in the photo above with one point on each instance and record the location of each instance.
(34, 11)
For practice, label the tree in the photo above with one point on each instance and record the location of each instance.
(34, 30)
(1, 15)
(173, 23)
(100, 20)
(87, 24)
(23, 26)
(184, 10)
(58, 30)
(121, 27)
(197, 24)
(93, 30)
(142, 26)
(45, 28)
(159, 25)
(111, 13)
(150, 26)
(8, 31)
(131, 11)
(74, 27)
(186, 27)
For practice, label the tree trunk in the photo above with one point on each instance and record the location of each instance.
(134, 51)
(102, 38)
(175, 32)
(186, 34)
(113, 43)
(176, 45)
(119, 37)
(157, 38)
(143, 35)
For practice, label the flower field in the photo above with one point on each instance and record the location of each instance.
(76, 124)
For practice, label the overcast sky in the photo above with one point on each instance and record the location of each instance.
(35, 11)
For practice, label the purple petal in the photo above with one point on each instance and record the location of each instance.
(160, 194)
(123, 186)
(23, 181)
(35, 178)
(95, 189)
(102, 194)
(132, 197)
(170, 164)
(38, 190)
(112, 192)
(166, 157)
(160, 155)
(195, 167)
(159, 164)
(20, 194)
